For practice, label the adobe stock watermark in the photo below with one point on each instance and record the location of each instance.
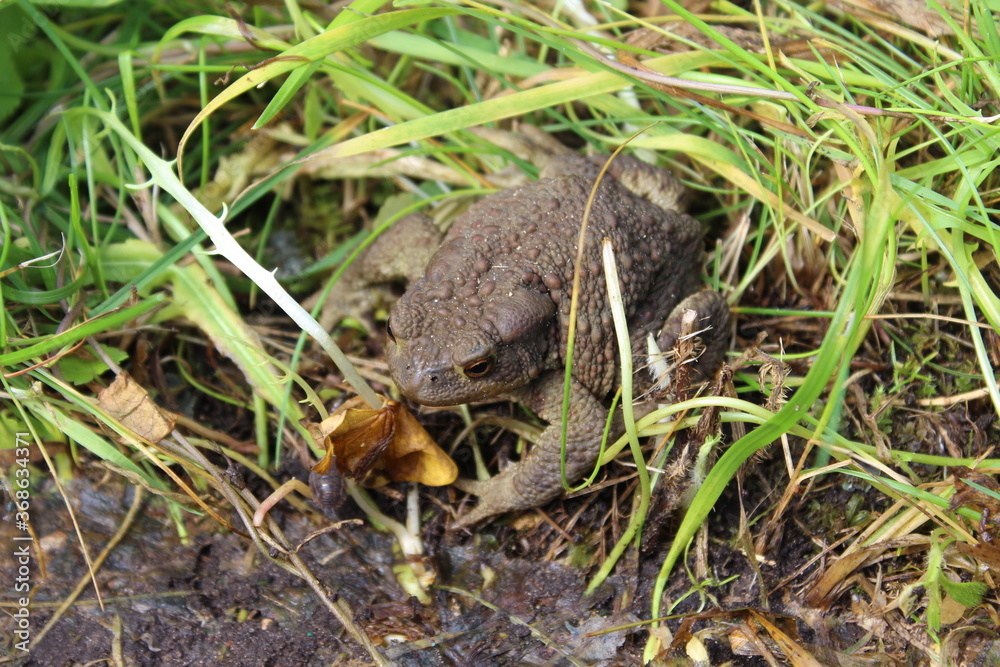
(20, 543)
(23, 32)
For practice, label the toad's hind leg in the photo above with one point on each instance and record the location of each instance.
(537, 479)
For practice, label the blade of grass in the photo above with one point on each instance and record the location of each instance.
(312, 50)
(164, 176)
(846, 327)
(638, 518)
(75, 334)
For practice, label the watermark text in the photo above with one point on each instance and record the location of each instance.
(21, 546)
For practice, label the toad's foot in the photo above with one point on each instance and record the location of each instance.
(710, 323)
(538, 478)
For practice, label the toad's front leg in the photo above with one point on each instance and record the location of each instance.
(537, 478)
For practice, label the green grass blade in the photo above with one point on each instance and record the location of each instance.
(74, 335)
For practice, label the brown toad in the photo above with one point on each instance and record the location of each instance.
(489, 316)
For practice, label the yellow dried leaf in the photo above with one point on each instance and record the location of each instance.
(413, 456)
(365, 442)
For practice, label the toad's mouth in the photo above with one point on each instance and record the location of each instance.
(441, 383)
(439, 387)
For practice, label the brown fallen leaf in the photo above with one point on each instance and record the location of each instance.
(378, 446)
(986, 552)
(914, 13)
(126, 400)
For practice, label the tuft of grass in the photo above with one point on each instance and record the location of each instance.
(845, 163)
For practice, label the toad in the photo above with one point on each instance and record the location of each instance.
(490, 314)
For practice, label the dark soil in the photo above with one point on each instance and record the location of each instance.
(216, 601)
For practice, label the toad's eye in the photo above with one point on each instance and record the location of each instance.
(478, 369)
(388, 331)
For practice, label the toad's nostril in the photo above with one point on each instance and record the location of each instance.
(434, 378)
